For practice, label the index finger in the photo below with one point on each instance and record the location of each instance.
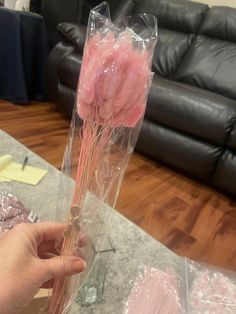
(47, 231)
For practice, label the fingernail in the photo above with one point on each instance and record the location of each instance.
(78, 265)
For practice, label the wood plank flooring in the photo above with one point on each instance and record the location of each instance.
(190, 218)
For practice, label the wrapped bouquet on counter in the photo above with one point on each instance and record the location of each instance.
(209, 290)
(155, 291)
(13, 212)
(112, 93)
(194, 288)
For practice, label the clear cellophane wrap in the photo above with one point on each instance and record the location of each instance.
(114, 82)
(192, 288)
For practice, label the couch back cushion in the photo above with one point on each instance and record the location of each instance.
(179, 15)
(178, 21)
(170, 49)
(220, 23)
(210, 63)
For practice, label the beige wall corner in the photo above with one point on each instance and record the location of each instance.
(229, 3)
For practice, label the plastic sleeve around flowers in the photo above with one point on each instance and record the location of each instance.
(111, 99)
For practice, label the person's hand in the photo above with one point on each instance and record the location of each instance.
(28, 262)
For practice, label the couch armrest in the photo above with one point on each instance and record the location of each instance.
(73, 34)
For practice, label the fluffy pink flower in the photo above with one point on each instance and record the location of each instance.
(114, 80)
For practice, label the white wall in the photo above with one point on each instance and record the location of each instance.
(229, 3)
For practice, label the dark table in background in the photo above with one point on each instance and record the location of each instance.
(23, 54)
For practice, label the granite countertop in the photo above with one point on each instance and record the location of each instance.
(41, 198)
(134, 247)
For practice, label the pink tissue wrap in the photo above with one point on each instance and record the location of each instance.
(213, 293)
(114, 80)
(154, 293)
(13, 212)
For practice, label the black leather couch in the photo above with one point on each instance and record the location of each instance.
(190, 121)
(58, 11)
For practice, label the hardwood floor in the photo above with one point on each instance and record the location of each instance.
(38, 126)
(190, 218)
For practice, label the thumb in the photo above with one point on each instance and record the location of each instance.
(61, 266)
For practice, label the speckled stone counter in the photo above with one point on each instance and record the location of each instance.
(133, 246)
(41, 198)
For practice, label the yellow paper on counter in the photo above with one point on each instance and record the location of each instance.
(4, 180)
(10, 170)
(5, 160)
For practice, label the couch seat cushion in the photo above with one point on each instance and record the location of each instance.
(225, 172)
(232, 138)
(178, 149)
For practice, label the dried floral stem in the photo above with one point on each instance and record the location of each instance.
(95, 138)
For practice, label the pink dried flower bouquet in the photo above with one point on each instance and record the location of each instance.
(115, 80)
(112, 93)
